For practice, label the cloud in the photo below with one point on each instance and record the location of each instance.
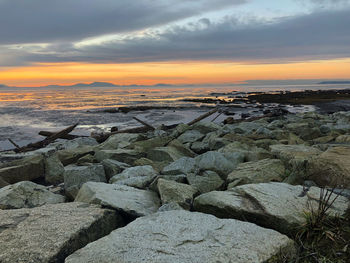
(321, 35)
(43, 21)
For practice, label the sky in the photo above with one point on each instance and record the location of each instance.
(172, 41)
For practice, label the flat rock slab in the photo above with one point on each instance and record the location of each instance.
(277, 206)
(52, 232)
(185, 237)
(128, 200)
(27, 194)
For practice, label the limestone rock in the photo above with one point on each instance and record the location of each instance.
(183, 165)
(76, 176)
(206, 182)
(129, 200)
(113, 167)
(25, 169)
(263, 171)
(277, 206)
(185, 237)
(54, 170)
(138, 176)
(27, 195)
(171, 191)
(48, 234)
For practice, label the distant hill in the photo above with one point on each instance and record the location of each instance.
(94, 84)
(335, 82)
(3, 86)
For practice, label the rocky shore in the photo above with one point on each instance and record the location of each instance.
(205, 192)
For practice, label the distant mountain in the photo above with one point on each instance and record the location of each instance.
(335, 82)
(3, 86)
(94, 85)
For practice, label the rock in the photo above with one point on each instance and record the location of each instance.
(200, 147)
(323, 139)
(250, 153)
(185, 237)
(170, 207)
(3, 183)
(27, 195)
(331, 168)
(138, 176)
(277, 206)
(294, 139)
(69, 156)
(25, 169)
(190, 136)
(131, 201)
(171, 191)
(52, 232)
(164, 154)
(206, 182)
(87, 159)
(76, 176)
(205, 127)
(113, 167)
(146, 145)
(217, 162)
(120, 140)
(73, 144)
(343, 139)
(263, 171)
(54, 170)
(122, 155)
(183, 165)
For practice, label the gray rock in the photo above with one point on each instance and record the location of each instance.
(170, 207)
(277, 206)
(185, 237)
(113, 167)
(120, 140)
(76, 176)
(138, 176)
(71, 155)
(200, 147)
(52, 232)
(206, 182)
(165, 154)
(190, 136)
(27, 195)
(73, 144)
(263, 171)
(129, 200)
(122, 155)
(217, 162)
(250, 153)
(206, 127)
(183, 165)
(54, 170)
(171, 191)
(25, 169)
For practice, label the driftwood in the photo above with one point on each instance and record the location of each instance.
(15, 144)
(203, 116)
(66, 136)
(144, 123)
(46, 141)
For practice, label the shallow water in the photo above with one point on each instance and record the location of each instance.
(25, 111)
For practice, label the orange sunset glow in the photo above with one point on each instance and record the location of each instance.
(172, 73)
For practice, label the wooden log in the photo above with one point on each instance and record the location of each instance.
(46, 141)
(15, 144)
(203, 116)
(67, 137)
(144, 123)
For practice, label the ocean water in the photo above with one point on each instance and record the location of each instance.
(26, 111)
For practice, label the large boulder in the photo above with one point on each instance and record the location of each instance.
(130, 201)
(206, 127)
(128, 156)
(54, 170)
(52, 232)
(76, 176)
(277, 206)
(263, 171)
(27, 195)
(71, 155)
(185, 237)
(120, 140)
(218, 162)
(167, 154)
(171, 191)
(331, 168)
(206, 181)
(137, 176)
(183, 165)
(113, 167)
(190, 136)
(251, 153)
(26, 169)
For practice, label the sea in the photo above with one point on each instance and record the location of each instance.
(26, 111)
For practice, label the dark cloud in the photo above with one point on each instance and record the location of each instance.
(42, 21)
(316, 36)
